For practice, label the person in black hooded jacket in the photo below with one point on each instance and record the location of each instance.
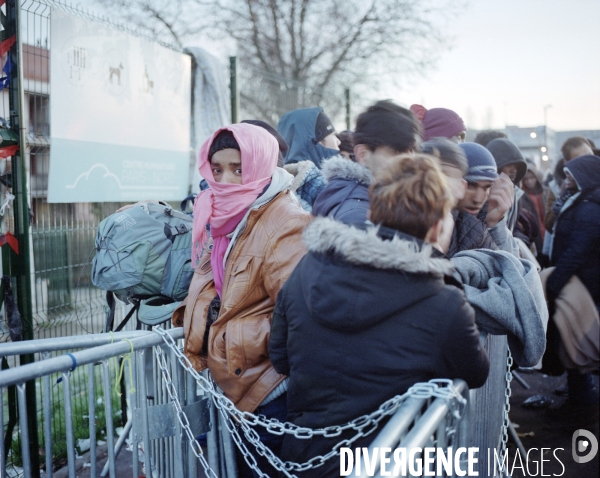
(311, 139)
(367, 313)
(576, 251)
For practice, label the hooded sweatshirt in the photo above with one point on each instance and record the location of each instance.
(575, 250)
(305, 154)
(298, 129)
(505, 152)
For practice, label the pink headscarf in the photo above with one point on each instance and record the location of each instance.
(224, 205)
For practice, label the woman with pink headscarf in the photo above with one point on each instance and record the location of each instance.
(246, 242)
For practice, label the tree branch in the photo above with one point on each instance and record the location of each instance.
(167, 24)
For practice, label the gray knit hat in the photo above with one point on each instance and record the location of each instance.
(482, 166)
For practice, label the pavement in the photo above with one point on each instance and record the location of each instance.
(547, 438)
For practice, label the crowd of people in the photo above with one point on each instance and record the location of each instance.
(334, 271)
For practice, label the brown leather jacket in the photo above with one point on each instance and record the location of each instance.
(264, 256)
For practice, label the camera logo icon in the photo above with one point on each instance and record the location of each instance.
(584, 446)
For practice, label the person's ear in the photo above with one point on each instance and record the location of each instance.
(435, 232)
(361, 153)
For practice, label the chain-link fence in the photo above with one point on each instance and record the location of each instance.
(55, 265)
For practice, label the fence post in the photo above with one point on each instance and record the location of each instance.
(348, 105)
(234, 89)
(20, 265)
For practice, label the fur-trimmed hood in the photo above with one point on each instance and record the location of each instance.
(341, 167)
(353, 278)
(300, 171)
(366, 247)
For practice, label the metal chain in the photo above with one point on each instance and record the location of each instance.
(507, 394)
(235, 419)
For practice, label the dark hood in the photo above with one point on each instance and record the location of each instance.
(298, 129)
(505, 152)
(586, 171)
(342, 296)
(538, 175)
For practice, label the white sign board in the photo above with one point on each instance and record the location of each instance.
(119, 115)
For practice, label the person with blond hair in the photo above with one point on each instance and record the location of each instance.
(372, 310)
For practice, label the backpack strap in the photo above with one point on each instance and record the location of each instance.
(183, 206)
(136, 307)
(110, 314)
(176, 230)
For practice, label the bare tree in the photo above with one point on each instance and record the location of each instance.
(307, 50)
(173, 22)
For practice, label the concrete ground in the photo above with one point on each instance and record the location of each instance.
(550, 439)
(124, 464)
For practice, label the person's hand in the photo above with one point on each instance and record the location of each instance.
(500, 200)
(128, 206)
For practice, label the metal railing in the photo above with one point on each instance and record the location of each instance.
(50, 270)
(152, 431)
(488, 403)
(151, 428)
(421, 423)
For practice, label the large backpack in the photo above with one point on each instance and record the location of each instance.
(143, 257)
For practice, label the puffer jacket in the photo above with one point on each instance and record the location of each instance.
(259, 263)
(346, 196)
(576, 248)
(469, 233)
(364, 316)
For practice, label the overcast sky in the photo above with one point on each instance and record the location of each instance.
(513, 57)
(509, 59)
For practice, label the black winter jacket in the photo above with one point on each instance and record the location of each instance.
(360, 320)
(576, 247)
(346, 196)
(469, 233)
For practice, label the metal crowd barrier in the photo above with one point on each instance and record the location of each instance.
(153, 430)
(423, 422)
(152, 425)
(488, 404)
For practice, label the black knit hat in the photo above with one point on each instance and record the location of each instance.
(323, 127)
(388, 124)
(224, 140)
(346, 141)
